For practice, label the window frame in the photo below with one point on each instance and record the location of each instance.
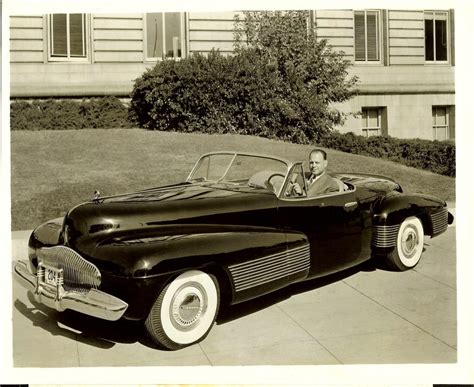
(379, 36)
(288, 182)
(86, 40)
(448, 36)
(367, 129)
(435, 126)
(182, 31)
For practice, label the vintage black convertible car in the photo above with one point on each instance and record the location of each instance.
(233, 231)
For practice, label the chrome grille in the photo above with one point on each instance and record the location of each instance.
(77, 272)
(269, 268)
(385, 236)
(439, 221)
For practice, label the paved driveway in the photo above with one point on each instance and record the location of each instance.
(363, 315)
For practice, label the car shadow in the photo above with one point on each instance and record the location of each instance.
(77, 326)
(105, 334)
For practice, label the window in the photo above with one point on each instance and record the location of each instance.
(436, 37)
(297, 176)
(443, 122)
(374, 121)
(164, 35)
(367, 36)
(67, 37)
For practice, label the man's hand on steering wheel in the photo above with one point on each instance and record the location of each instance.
(294, 190)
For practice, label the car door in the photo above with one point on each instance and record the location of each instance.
(336, 225)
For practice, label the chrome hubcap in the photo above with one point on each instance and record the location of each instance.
(188, 305)
(410, 242)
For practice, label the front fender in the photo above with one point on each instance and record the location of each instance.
(217, 250)
(145, 253)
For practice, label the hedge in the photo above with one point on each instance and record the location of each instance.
(435, 156)
(108, 112)
(105, 112)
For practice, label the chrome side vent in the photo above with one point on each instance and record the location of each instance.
(385, 236)
(439, 221)
(77, 272)
(269, 268)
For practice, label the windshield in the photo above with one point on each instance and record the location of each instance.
(237, 168)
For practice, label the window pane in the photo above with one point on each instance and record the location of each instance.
(58, 35)
(372, 46)
(212, 167)
(429, 40)
(440, 123)
(373, 120)
(441, 133)
(364, 118)
(370, 118)
(154, 35)
(244, 167)
(359, 32)
(441, 40)
(435, 115)
(76, 30)
(173, 35)
(440, 116)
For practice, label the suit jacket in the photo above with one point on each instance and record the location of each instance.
(323, 185)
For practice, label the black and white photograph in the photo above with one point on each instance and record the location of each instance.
(208, 187)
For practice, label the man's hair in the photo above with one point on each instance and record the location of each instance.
(318, 150)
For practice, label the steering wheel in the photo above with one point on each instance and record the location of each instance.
(272, 184)
(291, 189)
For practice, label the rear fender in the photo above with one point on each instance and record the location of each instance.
(393, 210)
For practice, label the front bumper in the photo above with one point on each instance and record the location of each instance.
(92, 302)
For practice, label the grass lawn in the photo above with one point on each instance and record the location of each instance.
(54, 170)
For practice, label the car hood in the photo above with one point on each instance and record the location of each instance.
(171, 206)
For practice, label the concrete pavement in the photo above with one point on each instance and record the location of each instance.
(365, 315)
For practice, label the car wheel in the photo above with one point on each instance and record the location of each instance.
(184, 311)
(409, 247)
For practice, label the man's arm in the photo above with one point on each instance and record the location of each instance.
(294, 189)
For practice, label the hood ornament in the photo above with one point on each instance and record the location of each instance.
(96, 198)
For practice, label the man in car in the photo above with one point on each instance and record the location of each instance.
(319, 182)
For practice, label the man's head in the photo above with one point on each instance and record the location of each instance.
(317, 162)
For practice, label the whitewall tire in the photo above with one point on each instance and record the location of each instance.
(185, 311)
(409, 247)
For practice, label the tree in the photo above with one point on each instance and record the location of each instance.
(311, 76)
(281, 83)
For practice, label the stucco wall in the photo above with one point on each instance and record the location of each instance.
(402, 82)
(74, 80)
(408, 115)
(116, 57)
(208, 30)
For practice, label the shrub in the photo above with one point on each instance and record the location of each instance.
(435, 156)
(278, 85)
(106, 112)
(212, 94)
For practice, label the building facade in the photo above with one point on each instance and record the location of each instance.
(404, 59)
